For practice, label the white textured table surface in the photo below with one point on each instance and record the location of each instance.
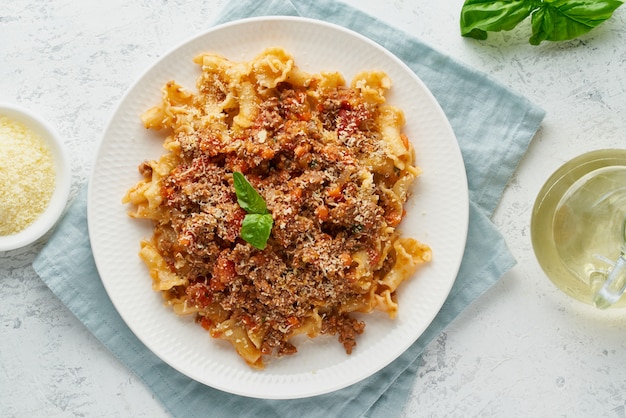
(522, 349)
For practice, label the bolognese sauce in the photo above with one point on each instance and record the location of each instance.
(318, 158)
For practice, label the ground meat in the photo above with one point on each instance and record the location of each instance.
(321, 213)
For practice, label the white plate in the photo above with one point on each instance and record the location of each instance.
(437, 215)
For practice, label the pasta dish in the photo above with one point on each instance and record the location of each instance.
(277, 204)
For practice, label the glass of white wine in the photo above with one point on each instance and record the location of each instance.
(578, 228)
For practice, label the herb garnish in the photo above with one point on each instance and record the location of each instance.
(258, 222)
(551, 20)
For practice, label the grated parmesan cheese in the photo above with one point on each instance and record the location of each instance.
(27, 176)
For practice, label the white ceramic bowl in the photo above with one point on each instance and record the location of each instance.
(55, 208)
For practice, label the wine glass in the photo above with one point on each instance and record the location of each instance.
(578, 228)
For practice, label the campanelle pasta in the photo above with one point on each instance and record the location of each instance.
(334, 170)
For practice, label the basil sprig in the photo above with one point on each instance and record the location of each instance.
(551, 20)
(258, 222)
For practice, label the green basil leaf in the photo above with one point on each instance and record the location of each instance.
(480, 16)
(257, 224)
(248, 198)
(256, 229)
(561, 20)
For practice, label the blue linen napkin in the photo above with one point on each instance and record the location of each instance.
(493, 126)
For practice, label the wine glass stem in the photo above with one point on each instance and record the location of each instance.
(614, 287)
